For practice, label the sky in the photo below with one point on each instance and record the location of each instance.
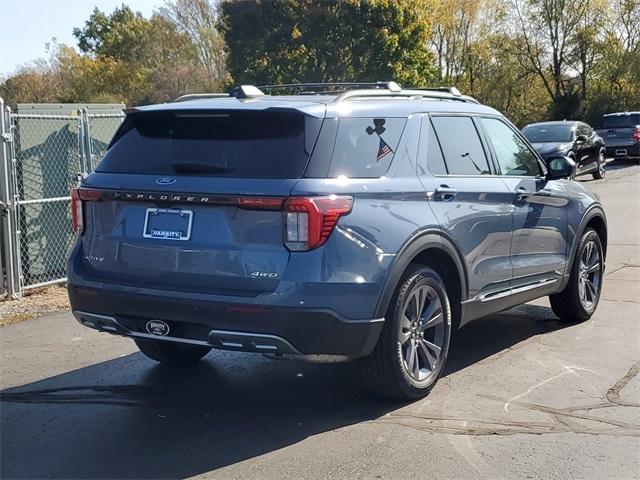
(27, 25)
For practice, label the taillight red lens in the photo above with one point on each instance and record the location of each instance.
(636, 135)
(310, 220)
(260, 203)
(77, 217)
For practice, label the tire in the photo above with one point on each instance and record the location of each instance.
(575, 170)
(395, 367)
(578, 303)
(169, 353)
(601, 171)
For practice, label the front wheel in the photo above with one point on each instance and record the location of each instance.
(601, 170)
(169, 353)
(574, 174)
(414, 343)
(578, 301)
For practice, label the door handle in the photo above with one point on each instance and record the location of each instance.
(522, 193)
(445, 192)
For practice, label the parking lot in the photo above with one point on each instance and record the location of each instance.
(524, 396)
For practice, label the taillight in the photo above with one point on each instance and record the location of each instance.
(636, 135)
(77, 217)
(310, 220)
(78, 197)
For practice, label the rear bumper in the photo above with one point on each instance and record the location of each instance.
(623, 151)
(224, 325)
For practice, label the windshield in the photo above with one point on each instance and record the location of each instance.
(621, 121)
(548, 133)
(256, 144)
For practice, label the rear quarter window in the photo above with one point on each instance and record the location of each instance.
(365, 147)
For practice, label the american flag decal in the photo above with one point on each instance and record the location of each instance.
(383, 150)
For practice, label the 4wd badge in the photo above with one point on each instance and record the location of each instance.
(157, 327)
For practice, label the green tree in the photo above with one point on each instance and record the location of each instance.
(199, 20)
(148, 60)
(310, 41)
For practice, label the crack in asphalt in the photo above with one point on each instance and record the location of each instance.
(613, 394)
(563, 418)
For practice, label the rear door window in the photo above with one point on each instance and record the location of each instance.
(430, 152)
(365, 147)
(461, 146)
(256, 144)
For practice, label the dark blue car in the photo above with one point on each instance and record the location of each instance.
(367, 223)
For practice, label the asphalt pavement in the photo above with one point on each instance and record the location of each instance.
(524, 396)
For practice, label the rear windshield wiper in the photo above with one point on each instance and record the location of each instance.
(195, 167)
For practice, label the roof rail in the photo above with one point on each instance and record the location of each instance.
(393, 86)
(199, 96)
(435, 93)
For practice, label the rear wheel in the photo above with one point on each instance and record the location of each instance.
(578, 301)
(170, 353)
(601, 170)
(414, 343)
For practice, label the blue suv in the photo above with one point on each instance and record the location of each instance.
(366, 221)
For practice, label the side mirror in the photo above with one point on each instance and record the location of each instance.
(581, 138)
(560, 167)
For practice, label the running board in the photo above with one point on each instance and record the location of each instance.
(496, 294)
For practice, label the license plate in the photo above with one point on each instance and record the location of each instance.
(621, 151)
(168, 224)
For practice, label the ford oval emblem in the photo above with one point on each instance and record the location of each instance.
(157, 327)
(165, 181)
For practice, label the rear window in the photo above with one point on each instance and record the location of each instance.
(256, 144)
(365, 147)
(621, 121)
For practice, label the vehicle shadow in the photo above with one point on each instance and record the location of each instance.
(130, 418)
(620, 163)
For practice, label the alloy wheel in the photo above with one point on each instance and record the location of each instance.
(601, 165)
(422, 333)
(590, 275)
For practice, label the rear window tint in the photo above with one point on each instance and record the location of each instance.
(365, 147)
(621, 121)
(213, 143)
(430, 147)
(463, 152)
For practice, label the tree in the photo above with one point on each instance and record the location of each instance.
(455, 27)
(547, 30)
(199, 20)
(149, 60)
(308, 41)
(627, 23)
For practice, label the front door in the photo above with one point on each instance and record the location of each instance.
(586, 150)
(539, 213)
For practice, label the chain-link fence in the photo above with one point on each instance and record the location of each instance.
(42, 156)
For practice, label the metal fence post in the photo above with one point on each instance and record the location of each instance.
(8, 217)
(87, 138)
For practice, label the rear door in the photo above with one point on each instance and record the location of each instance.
(538, 244)
(192, 200)
(471, 204)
